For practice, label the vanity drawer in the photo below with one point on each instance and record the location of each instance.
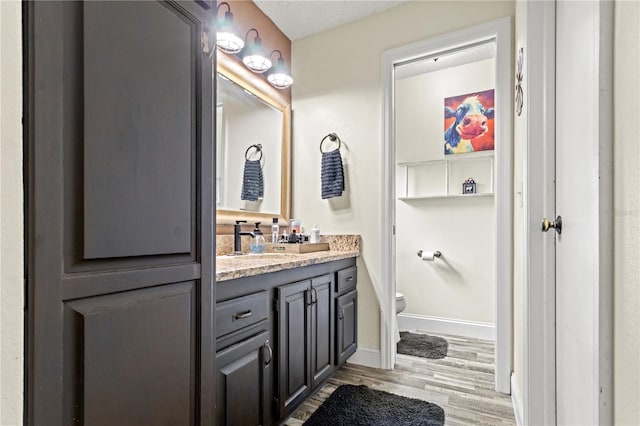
(347, 279)
(241, 312)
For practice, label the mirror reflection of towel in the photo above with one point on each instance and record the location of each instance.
(332, 174)
(252, 181)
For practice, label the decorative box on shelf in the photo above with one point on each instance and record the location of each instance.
(469, 186)
(296, 248)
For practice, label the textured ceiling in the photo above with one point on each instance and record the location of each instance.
(300, 18)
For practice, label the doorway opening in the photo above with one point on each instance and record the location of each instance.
(421, 173)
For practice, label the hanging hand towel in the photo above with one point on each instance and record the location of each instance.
(252, 181)
(332, 174)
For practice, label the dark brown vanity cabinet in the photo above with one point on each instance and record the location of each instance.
(305, 338)
(279, 336)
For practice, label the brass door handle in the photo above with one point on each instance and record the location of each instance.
(547, 224)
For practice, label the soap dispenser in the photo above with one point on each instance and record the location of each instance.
(256, 245)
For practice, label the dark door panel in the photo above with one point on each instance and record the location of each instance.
(244, 393)
(139, 97)
(138, 357)
(347, 326)
(294, 378)
(120, 238)
(322, 328)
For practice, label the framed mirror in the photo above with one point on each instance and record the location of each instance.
(253, 137)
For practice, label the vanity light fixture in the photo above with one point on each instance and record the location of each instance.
(280, 77)
(227, 39)
(255, 57)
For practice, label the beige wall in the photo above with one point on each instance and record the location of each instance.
(338, 88)
(11, 219)
(626, 213)
(460, 285)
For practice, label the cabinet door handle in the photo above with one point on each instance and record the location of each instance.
(268, 359)
(341, 316)
(242, 315)
(314, 295)
(349, 278)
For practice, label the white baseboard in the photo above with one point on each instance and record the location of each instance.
(516, 400)
(479, 330)
(367, 357)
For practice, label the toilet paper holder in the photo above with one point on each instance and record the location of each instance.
(435, 254)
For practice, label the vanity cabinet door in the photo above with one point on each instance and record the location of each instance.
(294, 378)
(305, 338)
(346, 326)
(322, 329)
(244, 392)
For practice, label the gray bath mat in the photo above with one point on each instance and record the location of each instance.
(422, 345)
(360, 406)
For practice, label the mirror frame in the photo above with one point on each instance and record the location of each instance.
(235, 71)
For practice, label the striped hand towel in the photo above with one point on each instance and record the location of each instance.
(252, 181)
(332, 174)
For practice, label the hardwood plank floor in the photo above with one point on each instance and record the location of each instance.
(461, 383)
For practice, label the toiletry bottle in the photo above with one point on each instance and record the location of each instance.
(314, 236)
(274, 231)
(256, 245)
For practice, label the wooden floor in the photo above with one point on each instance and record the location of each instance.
(461, 383)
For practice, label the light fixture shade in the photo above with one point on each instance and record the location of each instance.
(227, 38)
(280, 77)
(255, 57)
(229, 42)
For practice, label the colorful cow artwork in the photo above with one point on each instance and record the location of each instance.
(468, 123)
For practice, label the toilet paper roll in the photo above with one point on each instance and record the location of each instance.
(427, 255)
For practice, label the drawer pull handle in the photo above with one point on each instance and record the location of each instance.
(349, 278)
(242, 315)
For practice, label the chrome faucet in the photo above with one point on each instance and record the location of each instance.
(237, 237)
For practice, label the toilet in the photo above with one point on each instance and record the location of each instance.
(401, 304)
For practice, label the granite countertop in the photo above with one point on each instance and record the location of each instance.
(232, 267)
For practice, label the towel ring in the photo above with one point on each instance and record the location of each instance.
(333, 138)
(258, 148)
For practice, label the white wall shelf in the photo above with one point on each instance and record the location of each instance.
(443, 178)
(431, 197)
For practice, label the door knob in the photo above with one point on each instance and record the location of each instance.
(546, 224)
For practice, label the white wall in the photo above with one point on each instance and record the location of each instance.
(626, 213)
(11, 219)
(461, 284)
(338, 88)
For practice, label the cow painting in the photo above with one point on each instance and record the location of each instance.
(468, 123)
